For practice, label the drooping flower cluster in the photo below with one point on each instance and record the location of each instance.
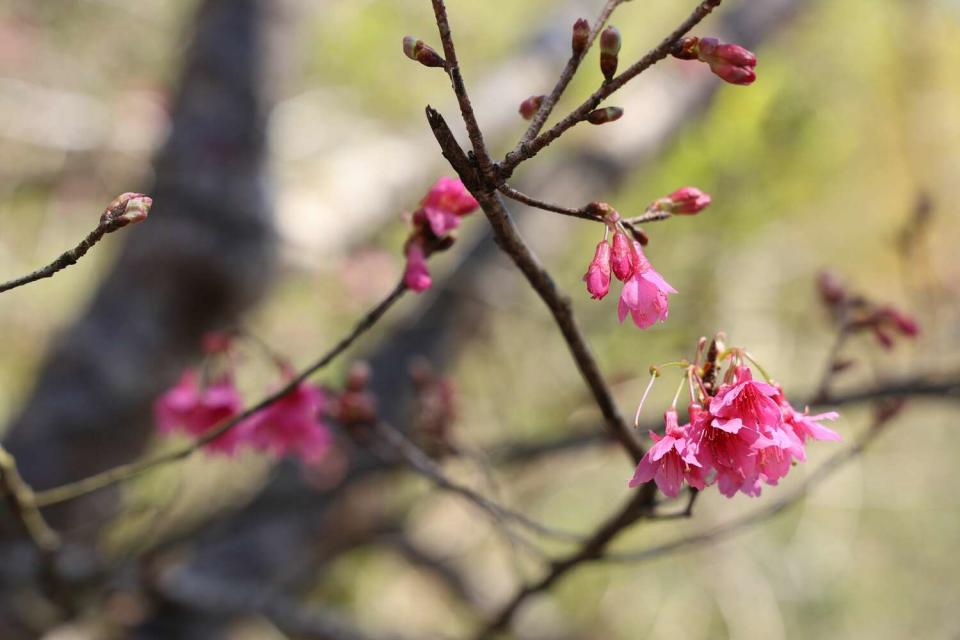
(730, 62)
(645, 292)
(292, 426)
(741, 434)
(439, 214)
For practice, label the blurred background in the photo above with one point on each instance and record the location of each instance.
(282, 142)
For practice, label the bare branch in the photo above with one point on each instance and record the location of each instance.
(422, 464)
(466, 107)
(21, 500)
(581, 213)
(123, 210)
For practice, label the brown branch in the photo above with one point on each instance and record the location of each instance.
(460, 90)
(661, 51)
(21, 501)
(513, 194)
(633, 510)
(540, 118)
(217, 596)
(420, 462)
(123, 472)
(510, 242)
(123, 210)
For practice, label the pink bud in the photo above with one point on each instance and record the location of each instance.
(581, 35)
(903, 323)
(609, 48)
(127, 208)
(684, 201)
(421, 52)
(597, 276)
(623, 258)
(604, 115)
(730, 62)
(216, 342)
(832, 290)
(530, 106)
(416, 276)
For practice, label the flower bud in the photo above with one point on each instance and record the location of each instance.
(530, 106)
(832, 290)
(581, 36)
(127, 208)
(422, 52)
(609, 49)
(416, 276)
(623, 258)
(684, 201)
(687, 49)
(730, 62)
(597, 276)
(604, 115)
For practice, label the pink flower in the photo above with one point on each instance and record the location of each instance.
(644, 296)
(597, 276)
(293, 426)
(728, 453)
(416, 275)
(623, 260)
(746, 403)
(670, 461)
(807, 426)
(193, 410)
(446, 202)
(685, 201)
(730, 62)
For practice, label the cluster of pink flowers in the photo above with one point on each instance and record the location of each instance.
(744, 435)
(439, 214)
(292, 426)
(645, 292)
(730, 62)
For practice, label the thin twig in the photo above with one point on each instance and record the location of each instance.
(661, 51)
(459, 88)
(115, 216)
(22, 502)
(831, 368)
(540, 118)
(581, 213)
(650, 215)
(633, 510)
(218, 596)
(423, 465)
(123, 472)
